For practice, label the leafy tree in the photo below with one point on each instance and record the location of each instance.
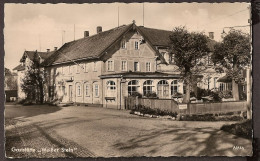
(10, 80)
(188, 49)
(33, 81)
(7, 72)
(232, 55)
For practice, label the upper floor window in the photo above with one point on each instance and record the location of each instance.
(110, 65)
(136, 45)
(124, 65)
(148, 66)
(136, 66)
(94, 66)
(62, 70)
(85, 67)
(123, 44)
(70, 69)
(78, 68)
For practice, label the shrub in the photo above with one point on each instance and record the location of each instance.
(150, 111)
(225, 94)
(242, 96)
(136, 94)
(151, 95)
(243, 129)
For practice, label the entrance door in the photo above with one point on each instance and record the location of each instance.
(70, 93)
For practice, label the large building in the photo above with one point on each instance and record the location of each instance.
(107, 67)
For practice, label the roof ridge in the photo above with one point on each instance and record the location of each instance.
(115, 28)
(155, 28)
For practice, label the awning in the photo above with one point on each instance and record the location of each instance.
(225, 79)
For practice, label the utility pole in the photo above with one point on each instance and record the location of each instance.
(143, 14)
(74, 32)
(118, 16)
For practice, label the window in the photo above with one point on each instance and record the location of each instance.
(163, 89)
(110, 65)
(174, 87)
(163, 54)
(124, 65)
(215, 83)
(148, 66)
(221, 87)
(111, 85)
(78, 89)
(94, 66)
(96, 90)
(147, 88)
(136, 45)
(70, 69)
(136, 66)
(123, 44)
(133, 87)
(78, 68)
(85, 67)
(87, 90)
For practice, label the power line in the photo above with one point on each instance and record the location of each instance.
(223, 17)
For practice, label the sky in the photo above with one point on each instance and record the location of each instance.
(45, 26)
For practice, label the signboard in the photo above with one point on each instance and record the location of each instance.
(183, 106)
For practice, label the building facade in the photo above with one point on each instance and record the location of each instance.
(25, 62)
(106, 67)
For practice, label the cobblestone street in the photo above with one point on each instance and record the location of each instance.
(47, 131)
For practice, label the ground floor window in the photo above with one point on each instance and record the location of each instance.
(86, 89)
(174, 87)
(133, 87)
(78, 89)
(225, 86)
(111, 88)
(147, 88)
(163, 89)
(96, 90)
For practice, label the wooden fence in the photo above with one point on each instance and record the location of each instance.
(191, 108)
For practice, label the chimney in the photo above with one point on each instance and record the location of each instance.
(211, 35)
(99, 29)
(55, 48)
(48, 50)
(86, 34)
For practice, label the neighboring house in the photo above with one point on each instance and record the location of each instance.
(10, 86)
(24, 65)
(111, 65)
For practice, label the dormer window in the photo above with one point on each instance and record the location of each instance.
(123, 44)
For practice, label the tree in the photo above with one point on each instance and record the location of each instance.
(33, 81)
(7, 72)
(10, 80)
(232, 55)
(188, 49)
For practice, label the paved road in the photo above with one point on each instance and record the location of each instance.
(97, 132)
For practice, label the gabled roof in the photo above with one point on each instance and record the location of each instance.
(156, 37)
(94, 47)
(30, 55)
(19, 67)
(91, 47)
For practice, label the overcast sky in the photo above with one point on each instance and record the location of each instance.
(41, 26)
